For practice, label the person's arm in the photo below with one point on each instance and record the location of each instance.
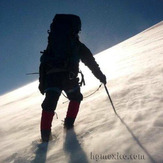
(88, 59)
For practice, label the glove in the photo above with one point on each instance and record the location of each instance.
(41, 88)
(102, 79)
(42, 76)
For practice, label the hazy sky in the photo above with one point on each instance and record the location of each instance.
(24, 25)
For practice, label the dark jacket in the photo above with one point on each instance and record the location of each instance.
(80, 53)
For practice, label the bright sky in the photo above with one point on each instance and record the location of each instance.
(24, 25)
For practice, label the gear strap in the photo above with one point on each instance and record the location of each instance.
(82, 82)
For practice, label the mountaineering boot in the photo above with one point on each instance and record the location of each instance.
(46, 121)
(46, 135)
(69, 123)
(72, 112)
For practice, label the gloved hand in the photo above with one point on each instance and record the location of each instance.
(102, 79)
(41, 88)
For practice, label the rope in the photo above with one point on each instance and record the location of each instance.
(82, 82)
(64, 95)
(93, 92)
(85, 96)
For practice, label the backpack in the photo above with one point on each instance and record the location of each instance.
(63, 42)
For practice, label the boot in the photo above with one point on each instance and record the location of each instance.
(46, 121)
(72, 112)
(69, 123)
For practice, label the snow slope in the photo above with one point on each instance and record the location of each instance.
(134, 71)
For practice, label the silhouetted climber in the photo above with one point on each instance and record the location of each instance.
(59, 69)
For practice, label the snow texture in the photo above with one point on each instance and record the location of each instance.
(134, 71)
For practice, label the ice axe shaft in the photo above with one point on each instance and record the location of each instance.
(110, 99)
(33, 73)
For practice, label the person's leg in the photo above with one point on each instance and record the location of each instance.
(75, 97)
(72, 112)
(48, 107)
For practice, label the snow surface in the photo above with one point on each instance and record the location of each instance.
(134, 71)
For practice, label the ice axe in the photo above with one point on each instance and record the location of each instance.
(32, 73)
(110, 99)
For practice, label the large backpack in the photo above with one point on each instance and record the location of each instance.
(61, 51)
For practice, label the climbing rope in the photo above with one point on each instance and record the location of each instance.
(84, 96)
